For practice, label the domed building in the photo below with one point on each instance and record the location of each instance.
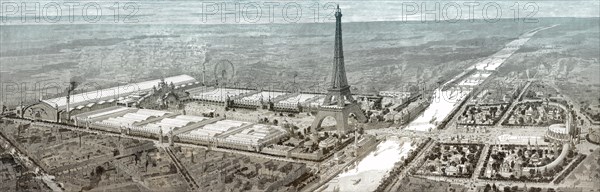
(558, 133)
(563, 133)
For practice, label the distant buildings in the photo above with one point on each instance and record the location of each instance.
(56, 109)
(217, 132)
(406, 113)
(395, 94)
(286, 174)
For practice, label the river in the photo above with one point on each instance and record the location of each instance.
(367, 174)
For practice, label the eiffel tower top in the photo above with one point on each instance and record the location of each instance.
(338, 77)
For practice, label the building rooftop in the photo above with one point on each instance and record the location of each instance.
(217, 94)
(264, 96)
(114, 92)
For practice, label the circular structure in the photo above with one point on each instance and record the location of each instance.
(594, 136)
(558, 133)
(224, 71)
(558, 128)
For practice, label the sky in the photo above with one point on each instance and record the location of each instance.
(260, 12)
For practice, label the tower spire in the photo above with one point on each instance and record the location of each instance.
(334, 104)
(338, 79)
(339, 91)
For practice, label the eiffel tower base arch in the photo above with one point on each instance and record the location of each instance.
(340, 114)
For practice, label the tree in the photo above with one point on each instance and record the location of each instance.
(431, 168)
(515, 188)
(487, 188)
(99, 170)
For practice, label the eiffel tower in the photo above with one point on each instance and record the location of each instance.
(339, 102)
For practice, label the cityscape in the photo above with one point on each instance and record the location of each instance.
(339, 106)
